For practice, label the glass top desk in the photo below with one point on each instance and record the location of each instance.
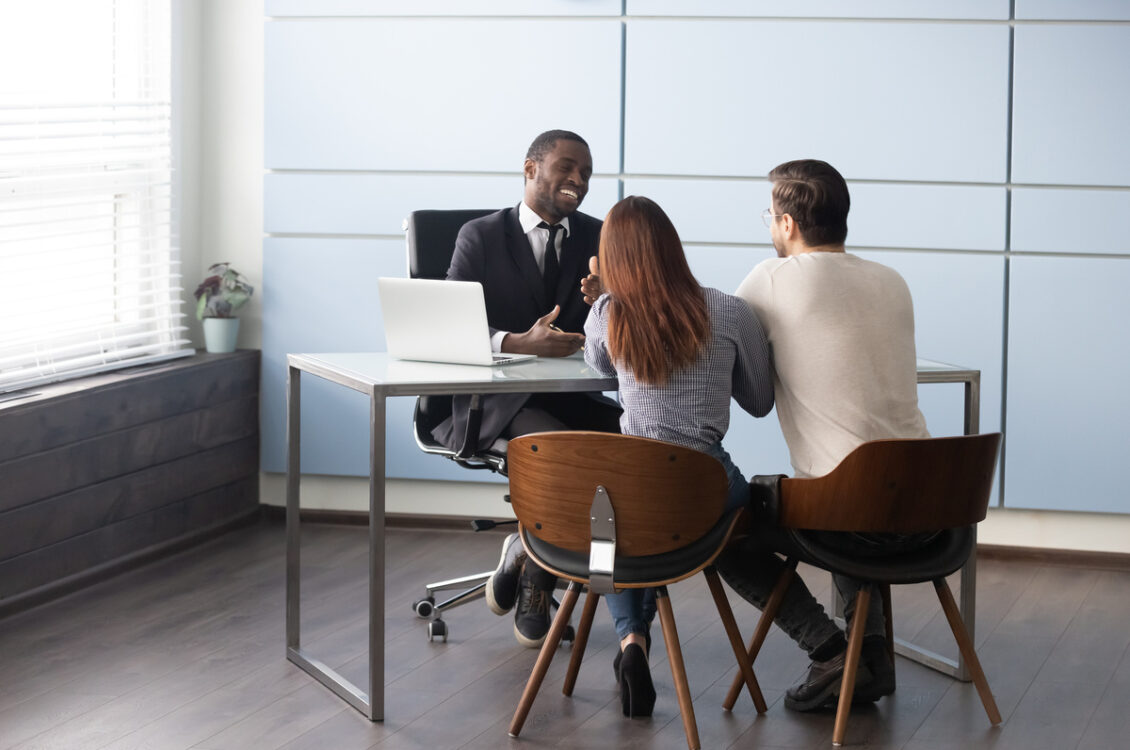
(381, 376)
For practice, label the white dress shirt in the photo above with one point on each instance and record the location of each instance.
(539, 237)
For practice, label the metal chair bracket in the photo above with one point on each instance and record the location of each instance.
(602, 550)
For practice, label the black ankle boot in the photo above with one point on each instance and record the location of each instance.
(637, 693)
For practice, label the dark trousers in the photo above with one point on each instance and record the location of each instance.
(753, 566)
(545, 412)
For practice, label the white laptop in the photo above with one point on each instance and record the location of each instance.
(439, 321)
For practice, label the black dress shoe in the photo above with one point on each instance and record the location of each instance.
(878, 660)
(620, 655)
(637, 693)
(820, 688)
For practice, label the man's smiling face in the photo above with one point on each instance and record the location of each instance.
(556, 185)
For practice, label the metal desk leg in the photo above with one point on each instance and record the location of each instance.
(343, 688)
(293, 464)
(376, 555)
(968, 598)
(968, 601)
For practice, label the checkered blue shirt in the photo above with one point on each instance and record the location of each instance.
(693, 407)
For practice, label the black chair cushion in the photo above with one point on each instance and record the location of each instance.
(935, 557)
(637, 570)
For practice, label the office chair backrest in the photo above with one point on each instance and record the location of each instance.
(431, 239)
(900, 486)
(664, 496)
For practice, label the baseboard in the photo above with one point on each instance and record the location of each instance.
(1061, 557)
(1067, 558)
(64, 586)
(392, 520)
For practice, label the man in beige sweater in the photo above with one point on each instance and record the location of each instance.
(841, 332)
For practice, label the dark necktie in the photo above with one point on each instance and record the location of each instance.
(552, 269)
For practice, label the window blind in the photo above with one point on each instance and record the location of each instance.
(89, 268)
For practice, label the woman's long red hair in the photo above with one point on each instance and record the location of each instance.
(657, 319)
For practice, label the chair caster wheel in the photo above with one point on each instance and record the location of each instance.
(437, 629)
(569, 635)
(424, 607)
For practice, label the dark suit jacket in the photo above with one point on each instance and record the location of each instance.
(494, 251)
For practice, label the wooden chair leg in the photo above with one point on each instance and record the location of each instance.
(584, 627)
(545, 656)
(731, 626)
(851, 664)
(762, 630)
(678, 668)
(888, 616)
(961, 635)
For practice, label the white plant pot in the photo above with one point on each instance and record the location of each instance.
(220, 335)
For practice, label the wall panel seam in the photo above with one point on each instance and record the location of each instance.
(700, 178)
(726, 19)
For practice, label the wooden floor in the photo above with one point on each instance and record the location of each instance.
(188, 653)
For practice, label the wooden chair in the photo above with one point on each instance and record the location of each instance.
(886, 486)
(614, 512)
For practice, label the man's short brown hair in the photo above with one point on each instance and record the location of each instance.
(816, 196)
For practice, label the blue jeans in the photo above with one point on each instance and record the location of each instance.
(633, 610)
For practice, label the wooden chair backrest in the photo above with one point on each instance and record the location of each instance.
(900, 486)
(664, 496)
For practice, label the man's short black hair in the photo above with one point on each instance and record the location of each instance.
(545, 142)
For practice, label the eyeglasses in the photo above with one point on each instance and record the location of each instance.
(767, 217)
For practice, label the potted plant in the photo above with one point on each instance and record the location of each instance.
(221, 293)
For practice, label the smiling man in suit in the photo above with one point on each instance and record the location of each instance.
(530, 260)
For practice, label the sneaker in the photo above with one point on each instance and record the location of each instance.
(878, 660)
(531, 616)
(820, 688)
(502, 586)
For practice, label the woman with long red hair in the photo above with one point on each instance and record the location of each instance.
(680, 351)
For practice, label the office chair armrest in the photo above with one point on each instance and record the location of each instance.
(471, 435)
(765, 496)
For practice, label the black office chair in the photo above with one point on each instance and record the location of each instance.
(431, 242)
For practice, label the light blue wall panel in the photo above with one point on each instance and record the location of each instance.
(942, 217)
(319, 295)
(442, 8)
(1071, 112)
(1068, 370)
(888, 101)
(1079, 10)
(377, 203)
(724, 267)
(950, 217)
(1070, 221)
(949, 9)
(709, 210)
(959, 319)
(449, 95)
